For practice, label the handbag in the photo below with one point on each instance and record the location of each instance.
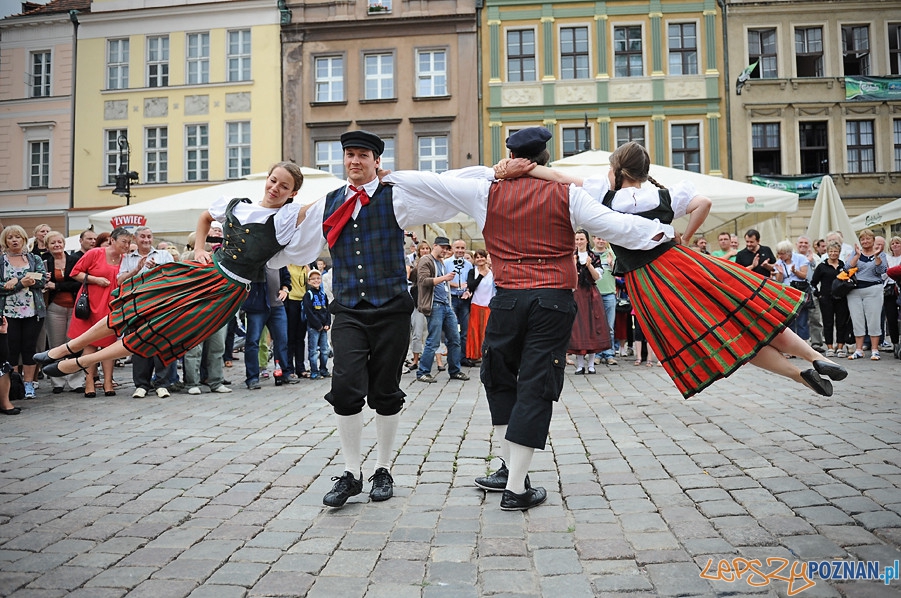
(844, 283)
(82, 303)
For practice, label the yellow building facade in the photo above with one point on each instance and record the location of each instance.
(182, 95)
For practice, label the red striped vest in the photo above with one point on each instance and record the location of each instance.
(529, 235)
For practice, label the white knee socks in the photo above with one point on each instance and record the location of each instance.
(350, 428)
(386, 431)
(499, 437)
(520, 459)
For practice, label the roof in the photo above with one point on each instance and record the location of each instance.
(54, 7)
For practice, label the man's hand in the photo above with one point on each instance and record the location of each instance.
(511, 168)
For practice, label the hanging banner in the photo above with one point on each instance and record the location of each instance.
(872, 89)
(805, 187)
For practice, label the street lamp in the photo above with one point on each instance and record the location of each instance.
(125, 176)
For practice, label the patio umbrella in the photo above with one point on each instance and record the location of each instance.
(829, 213)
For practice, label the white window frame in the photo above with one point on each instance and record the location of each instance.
(237, 148)
(156, 155)
(700, 148)
(383, 81)
(197, 152)
(41, 168)
(864, 160)
(329, 156)
(39, 74)
(432, 162)
(762, 71)
(197, 58)
(431, 81)
(683, 51)
(388, 158)
(587, 53)
(238, 62)
(158, 59)
(329, 86)
(117, 54)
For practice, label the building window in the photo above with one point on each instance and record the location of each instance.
(814, 144)
(433, 155)
(198, 59)
(897, 124)
(158, 61)
(117, 64)
(111, 153)
(574, 53)
(39, 164)
(627, 51)
(156, 154)
(379, 76)
(330, 79)
(683, 49)
(197, 153)
(856, 49)
(575, 140)
(861, 146)
(809, 51)
(239, 55)
(330, 157)
(767, 148)
(521, 55)
(377, 7)
(686, 147)
(762, 49)
(627, 133)
(894, 48)
(40, 74)
(431, 73)
(387, 157)
(237, 149)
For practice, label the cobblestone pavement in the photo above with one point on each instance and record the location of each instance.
(221, 495)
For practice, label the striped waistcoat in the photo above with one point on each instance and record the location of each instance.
(529, 235)
(369, 254)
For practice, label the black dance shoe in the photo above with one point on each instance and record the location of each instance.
(819, 385)
(43, 358)
(532, 497)
(829, 369)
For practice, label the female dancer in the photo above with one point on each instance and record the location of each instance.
(703, 316)
(590, 333)
(169, 309)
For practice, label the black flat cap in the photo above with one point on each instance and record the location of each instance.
(363, 139)
(443, 241)
(528, 141)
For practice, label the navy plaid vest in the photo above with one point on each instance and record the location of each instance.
(368, 258)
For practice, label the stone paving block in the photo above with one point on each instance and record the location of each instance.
(65, 578)
(390, 590)
(97, 593)
(812, 547)
(239, 574)
(677, 579)
(282, 583)
(195, 569)
(878, 519)
(572, 586)
(121, 577)
(452, 573)
(218, 591)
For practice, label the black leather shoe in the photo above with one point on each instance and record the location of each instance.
(53, 370)
(382, 485)
(829, 369)
(818, 384)
(497, 481)
(459, 376)
(532, 497)
(345, 487)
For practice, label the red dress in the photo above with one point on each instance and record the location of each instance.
(94, 263)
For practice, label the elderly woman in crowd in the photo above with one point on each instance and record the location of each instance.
(791, 270)
(834, 310)
(62, 293)
(100, 267)
(23, 278)
(865, 300)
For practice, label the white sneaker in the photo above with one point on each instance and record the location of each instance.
(222, 388)
(830, 353)
(194, 390)
(162, 392)
(139, 393)
(886, 346)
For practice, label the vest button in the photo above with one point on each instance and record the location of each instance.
(361, 281)
(556, 361)
(362, 294)
(359, 266)
(244, 240)
(247, 230)
(234, 257)
(355, 225)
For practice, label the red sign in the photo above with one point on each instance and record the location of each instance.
(128, 220)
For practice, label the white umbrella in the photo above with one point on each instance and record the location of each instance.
(880, 217)
(829, 213)
(178, 213)
(736, 205)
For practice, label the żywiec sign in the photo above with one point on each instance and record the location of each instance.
(128, 221)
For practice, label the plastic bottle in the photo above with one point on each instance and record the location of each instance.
(277, 374)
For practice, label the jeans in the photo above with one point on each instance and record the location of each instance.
(442, 319)
(318, 341)
(277, 322)
(461, 310)
(609, 300)
(799, 324)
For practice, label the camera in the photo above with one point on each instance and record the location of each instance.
(408, 234)
(458, 262)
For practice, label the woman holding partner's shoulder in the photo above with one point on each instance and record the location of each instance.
(704, 317)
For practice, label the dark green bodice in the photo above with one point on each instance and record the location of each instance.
(247, 247)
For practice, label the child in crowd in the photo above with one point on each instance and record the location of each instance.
(315, 309)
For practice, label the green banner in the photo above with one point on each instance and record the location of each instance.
(872, 89)
(805, 186)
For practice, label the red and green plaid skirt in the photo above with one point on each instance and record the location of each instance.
(705, 316)
(170, 309)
